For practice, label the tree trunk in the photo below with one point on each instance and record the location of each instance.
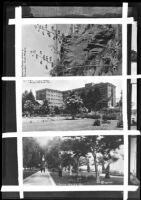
(73, 117)
(88, 168)
(70, 170)
(103, 168)
(78, 166)
(96, 169)
(107, 175)
(88, 165)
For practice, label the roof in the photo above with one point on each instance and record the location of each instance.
(93, 85)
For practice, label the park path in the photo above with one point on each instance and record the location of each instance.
(39, 178)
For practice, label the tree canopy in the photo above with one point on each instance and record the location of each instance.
(73, 151)
(73, 104)
(31, 153)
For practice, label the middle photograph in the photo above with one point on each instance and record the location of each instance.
(71, 105)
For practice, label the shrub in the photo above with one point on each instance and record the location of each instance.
(105, 121)
(109, 117)
(53, 169)
(96, 122)
(93, 116)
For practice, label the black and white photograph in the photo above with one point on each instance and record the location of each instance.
(64, 105)
(71, 116)
(134, 166)
(132, 104)
(134, 49)
(132, 69)
(78, 11)
(134, 160)
(71, 50)
(73, 160)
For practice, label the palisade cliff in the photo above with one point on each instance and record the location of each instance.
(91, 50)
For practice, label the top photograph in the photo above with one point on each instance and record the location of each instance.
(71, 50)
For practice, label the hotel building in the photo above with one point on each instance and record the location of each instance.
(56, 97)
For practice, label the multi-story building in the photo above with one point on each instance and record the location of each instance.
(56, 97)
(107, 90)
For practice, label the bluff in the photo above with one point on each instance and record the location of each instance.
(91, 50)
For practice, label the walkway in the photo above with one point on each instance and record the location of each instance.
(39, 179)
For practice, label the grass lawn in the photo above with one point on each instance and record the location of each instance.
(43, 124)
(29, 172)
(85, 178)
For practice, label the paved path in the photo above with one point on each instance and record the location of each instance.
(39, 179)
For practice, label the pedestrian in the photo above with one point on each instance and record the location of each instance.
(60, 171)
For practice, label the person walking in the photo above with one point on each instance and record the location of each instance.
(43, 165)
(60, 171)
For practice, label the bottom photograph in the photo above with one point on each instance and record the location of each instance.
(73, 160)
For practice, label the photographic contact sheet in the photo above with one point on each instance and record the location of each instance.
(76, 107)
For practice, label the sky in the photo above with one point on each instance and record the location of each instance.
(67, 85)
(34, 40)
(42, 141)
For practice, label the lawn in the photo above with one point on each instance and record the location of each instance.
(53, 124)
(29, 172)
(85, 178)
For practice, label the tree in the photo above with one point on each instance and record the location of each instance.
(28, 102)
(44, 108)
(85, 161)
(28, 96)
(75, 148)
(73, 104)
(31, 152)
(67, 161)
(52, 157)
(108, 145)
(56, 110)
(102, 148)
(91, 98)
(80, 147)
(52, 153)
(101, 145)
(29, 107)
(92, 143)
(37, 108)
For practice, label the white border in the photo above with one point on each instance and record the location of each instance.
(18, 62)
(97, 78)
(25, 21)
(68, 133)
(124, 96)
(65, 188)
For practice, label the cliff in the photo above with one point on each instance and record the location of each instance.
(91, 50)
